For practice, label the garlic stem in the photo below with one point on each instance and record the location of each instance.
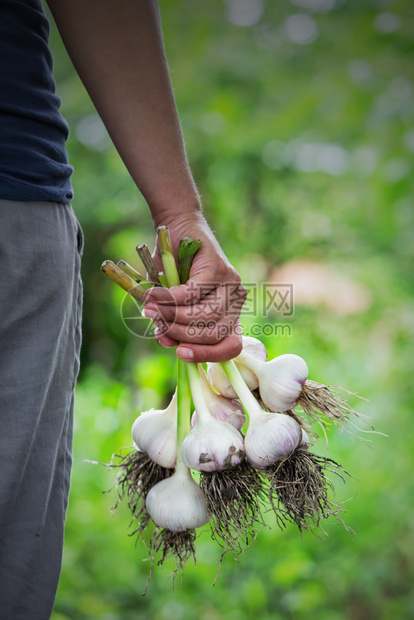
(188, 247)
(167, 255)
(148, 262)
(162, 278)
(196, 388)
(183, 410)
(134, 274)
(123, 280)
(253, 363)
(183, 386)
(206, 387)
(248, 400)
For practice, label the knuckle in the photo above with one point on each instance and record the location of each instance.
(242, 293)
(221, 269)
(225, 272)
(243, 290)
(231, 276)
(236, 277)
(234, 346)
(212, 334)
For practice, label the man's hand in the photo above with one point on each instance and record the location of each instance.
(118, 51)
(202, 315)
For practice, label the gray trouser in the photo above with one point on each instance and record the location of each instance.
(40, 315)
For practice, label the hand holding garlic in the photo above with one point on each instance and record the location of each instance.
(199, 334)
(238, 448)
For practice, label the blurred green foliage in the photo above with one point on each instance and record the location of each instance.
(298, 119)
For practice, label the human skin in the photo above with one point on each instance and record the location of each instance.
(118, 51)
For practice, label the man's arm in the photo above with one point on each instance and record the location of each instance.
(118, 51)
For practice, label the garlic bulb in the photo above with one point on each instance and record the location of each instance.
(219, 380)
(270, 437)
(177, 503)
(281, 380)
(212, 444)
(221, 408)
(230, 411)
(252, 347)
(155, 432)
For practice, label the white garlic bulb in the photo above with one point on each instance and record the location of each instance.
(270, 437)
(281, 380)
(155, 432)
(252, 347)
(177, 503)
(212, 445)
(227, 410)
(220, 407)
(219, 380)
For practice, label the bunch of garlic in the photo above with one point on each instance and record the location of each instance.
(215, 442)
(234, 453)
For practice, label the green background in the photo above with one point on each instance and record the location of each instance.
(298, 120)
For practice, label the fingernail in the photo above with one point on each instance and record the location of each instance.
(150, 306)
(148, 313)
(163, 342)
(185, 353)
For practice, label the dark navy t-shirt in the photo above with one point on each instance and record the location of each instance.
(33, 159)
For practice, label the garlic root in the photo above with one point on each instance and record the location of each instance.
(298, 489)
(235, 500)
(179, 545)
(137, 475)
